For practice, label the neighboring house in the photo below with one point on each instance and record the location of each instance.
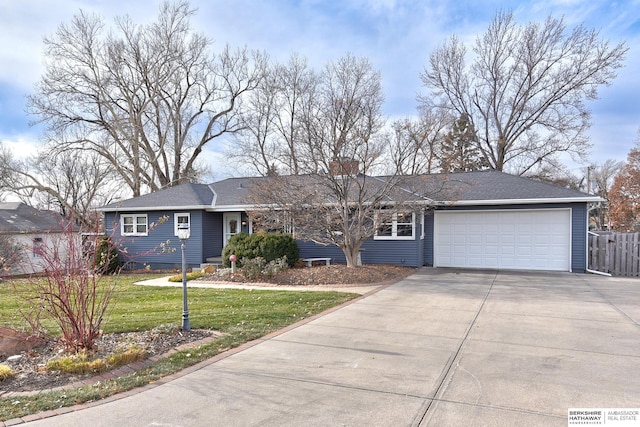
(485, 219)
(31, 229)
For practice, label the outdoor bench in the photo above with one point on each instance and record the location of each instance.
(310, 261)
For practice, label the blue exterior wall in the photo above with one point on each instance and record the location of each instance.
(153, 250)
(396, 252)
(578, 230)
(160, 248)
(427, 243)
(579, 223)
(211, 235)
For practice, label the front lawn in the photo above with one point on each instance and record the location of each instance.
(243, 315)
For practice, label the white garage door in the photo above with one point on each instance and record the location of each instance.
(516, 239)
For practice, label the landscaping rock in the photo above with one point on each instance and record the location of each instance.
(14, 342)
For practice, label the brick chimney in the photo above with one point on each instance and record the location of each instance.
(344, 166)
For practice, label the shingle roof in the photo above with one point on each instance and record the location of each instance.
(495, 186)
(180, 197)
(482, 187)
(16, 218)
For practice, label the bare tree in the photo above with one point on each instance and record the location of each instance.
(271, 140)
(525, 89)
(147, 99)
(298, 85)
(415, 144)
(336, 201)
(73, 183)
(255, 144)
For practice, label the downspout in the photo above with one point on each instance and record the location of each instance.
(601, 273)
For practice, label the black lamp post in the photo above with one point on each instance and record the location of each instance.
(184, 233)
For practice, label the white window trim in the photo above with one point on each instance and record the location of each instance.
(134, 216)
(175, 221)
(394, 229)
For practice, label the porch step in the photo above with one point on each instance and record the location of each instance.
(214, 260)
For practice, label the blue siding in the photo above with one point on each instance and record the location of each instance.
(211, 235)
(396, 252)
(428, 238)
(578, 230)
(579, 223)
(309, 249)
(160, 249)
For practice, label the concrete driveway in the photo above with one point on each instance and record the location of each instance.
(440, 348)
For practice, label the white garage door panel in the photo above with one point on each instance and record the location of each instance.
(522, 240)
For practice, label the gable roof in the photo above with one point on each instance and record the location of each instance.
(185, 196)
(466, 188)
(18, 218)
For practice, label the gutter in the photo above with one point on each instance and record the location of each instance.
(522, 201)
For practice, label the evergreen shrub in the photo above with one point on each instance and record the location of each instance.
(268, 246)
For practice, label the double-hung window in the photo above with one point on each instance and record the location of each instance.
(134, 225)
(395, 225)
(180, 218)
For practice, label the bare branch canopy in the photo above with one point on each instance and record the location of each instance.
(147, 99)
(525, 88)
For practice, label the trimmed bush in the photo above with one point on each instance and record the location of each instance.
(275, 246)
(241, 246)
(268, 246)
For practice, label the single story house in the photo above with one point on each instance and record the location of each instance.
(31, 230)
(484, 219)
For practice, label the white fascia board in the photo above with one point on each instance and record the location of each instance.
(234, 208)
(239, 208)
(585, 199)
(153, 208)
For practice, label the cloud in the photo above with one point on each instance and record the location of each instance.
(21, 146)
(396, 35)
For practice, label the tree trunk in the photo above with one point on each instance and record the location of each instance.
(351, 254)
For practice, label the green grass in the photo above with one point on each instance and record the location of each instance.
(243, 315)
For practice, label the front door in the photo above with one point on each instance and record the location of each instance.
(231, 225)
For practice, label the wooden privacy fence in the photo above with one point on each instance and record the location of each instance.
(615, 253)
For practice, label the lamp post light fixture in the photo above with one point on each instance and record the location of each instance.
(184, 233)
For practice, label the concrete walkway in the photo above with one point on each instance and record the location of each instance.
(164, 281)
(440, 348)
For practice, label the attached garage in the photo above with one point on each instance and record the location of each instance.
(525, 239)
